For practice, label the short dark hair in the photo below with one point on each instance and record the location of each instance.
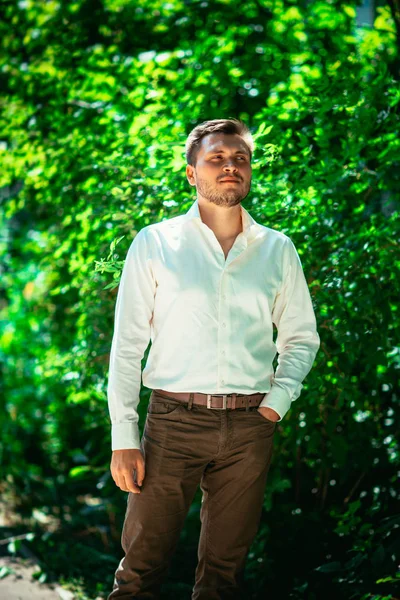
(231, 126)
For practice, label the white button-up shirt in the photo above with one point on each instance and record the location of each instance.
(210, 319)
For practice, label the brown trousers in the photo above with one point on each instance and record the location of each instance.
(226, 452)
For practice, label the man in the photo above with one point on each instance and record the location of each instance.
(206, 287)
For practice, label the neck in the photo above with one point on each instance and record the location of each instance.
(224, 221)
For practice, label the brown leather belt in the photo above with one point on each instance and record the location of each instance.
(215, 401)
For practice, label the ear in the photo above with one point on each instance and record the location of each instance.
(190, 174)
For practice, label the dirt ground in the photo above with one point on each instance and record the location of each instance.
(16, 572)
(19, 584)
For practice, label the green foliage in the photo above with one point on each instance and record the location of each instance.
(98, 100)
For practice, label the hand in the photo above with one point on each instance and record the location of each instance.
(123, 463)
(268, 413)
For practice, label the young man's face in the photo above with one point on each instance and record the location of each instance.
(221, 156)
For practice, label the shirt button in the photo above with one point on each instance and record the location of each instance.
(223, 352)
(222, 381)
(223, 325)
(223, 296)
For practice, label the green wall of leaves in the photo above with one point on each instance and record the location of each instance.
(98, 98)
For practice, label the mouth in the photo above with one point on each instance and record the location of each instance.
(229, 181)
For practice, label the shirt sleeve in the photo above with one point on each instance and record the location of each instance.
(133, 315)
(297, 340)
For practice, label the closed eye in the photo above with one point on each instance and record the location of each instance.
(219, 156)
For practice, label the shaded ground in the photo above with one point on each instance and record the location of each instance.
(18, 582)
(16, 572)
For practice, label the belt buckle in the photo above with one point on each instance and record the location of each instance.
(223, 407)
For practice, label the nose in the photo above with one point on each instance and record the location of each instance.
(230, 166)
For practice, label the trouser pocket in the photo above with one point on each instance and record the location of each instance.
(160, 405)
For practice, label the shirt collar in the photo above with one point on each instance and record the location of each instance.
(250, 225)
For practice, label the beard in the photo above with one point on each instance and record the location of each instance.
(221, 194)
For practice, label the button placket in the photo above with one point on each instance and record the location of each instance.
(223, 328)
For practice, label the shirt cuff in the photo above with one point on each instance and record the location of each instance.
(125, 436)
(277, 399)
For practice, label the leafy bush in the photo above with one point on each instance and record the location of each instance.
(98, 101)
